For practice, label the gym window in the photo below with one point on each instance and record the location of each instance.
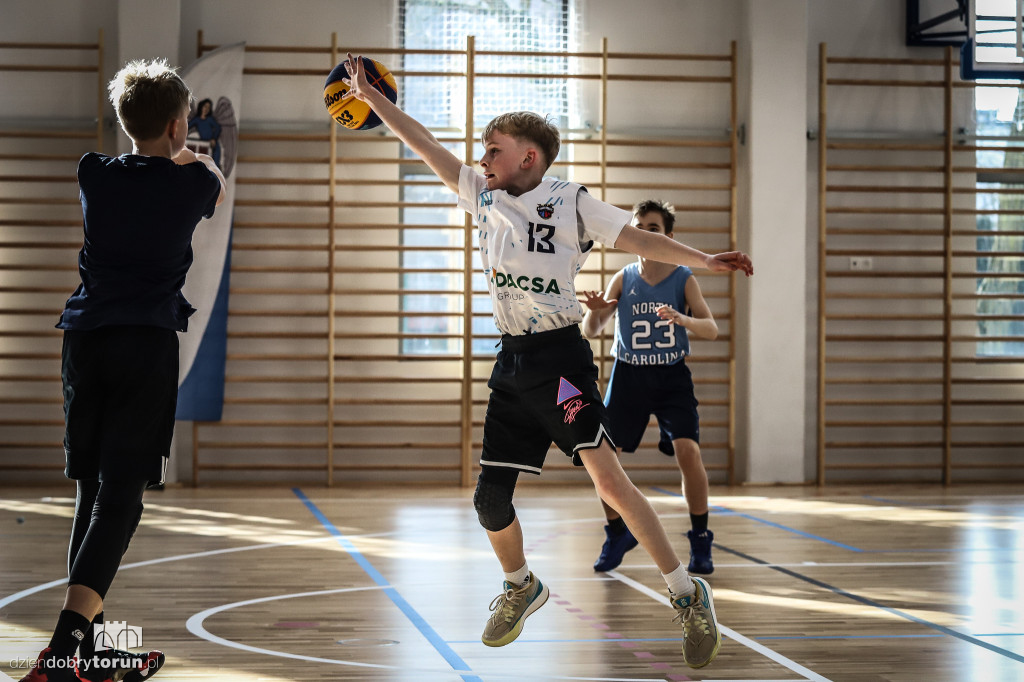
(439, 102)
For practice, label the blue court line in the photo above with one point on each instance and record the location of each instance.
(810, 536)
(869, 602)
(725, 511)
(453, 659)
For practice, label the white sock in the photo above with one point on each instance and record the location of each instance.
(519, 577)
(679, 582)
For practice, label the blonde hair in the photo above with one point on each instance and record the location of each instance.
(147, 96)
(528, 126)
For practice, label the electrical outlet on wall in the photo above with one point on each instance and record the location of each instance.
(861, 263)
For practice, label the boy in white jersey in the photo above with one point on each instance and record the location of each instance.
(534, 237)
(650, 376)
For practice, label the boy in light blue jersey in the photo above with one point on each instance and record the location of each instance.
(650, 376)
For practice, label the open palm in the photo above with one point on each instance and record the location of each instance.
(595, 300)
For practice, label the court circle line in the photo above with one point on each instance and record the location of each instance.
(62, 582)
(195, 625)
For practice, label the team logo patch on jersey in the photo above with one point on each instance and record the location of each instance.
(545, 211)
(566, 391)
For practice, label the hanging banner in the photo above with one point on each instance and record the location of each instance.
(216, 84)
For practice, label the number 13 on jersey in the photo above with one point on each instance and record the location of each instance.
(540, 238)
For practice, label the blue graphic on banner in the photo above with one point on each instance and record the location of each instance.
(201, 393)
(216, 83)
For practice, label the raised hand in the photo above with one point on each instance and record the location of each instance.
(595, 300)
(356, 81)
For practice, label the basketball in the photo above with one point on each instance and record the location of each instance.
(347, 110)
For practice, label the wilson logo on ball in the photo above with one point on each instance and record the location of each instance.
(349, 111)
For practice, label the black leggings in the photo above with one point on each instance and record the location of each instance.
(106, 516)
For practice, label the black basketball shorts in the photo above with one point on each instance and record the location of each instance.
(543, 390)
(635, 392)
(120, 395)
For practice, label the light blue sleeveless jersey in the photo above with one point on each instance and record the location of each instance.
(641, 337)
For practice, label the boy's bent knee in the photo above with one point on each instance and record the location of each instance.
(493, 503)
(686, 449)
(493, 497)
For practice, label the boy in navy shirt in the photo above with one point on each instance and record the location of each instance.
(119, 362)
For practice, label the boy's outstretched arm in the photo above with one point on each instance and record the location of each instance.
(667, 250)
(410, 131)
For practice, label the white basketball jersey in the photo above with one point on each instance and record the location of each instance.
(533, 245)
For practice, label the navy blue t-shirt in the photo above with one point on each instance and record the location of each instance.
(139, 215)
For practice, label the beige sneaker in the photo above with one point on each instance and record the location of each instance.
(511, 608)
(701, 638)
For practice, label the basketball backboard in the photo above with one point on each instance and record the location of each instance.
(994, 48)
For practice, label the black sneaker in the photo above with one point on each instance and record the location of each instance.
(700, 552)
(47, 668)
(115, 665)
(614, 548)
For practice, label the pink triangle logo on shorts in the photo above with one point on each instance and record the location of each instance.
(566, 391)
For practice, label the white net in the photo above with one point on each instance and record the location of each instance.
(526, 27)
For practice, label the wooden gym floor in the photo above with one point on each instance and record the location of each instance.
(393, 583)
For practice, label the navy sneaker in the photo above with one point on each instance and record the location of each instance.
(614, 548)
(700, 552)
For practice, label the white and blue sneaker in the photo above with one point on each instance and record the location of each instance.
(701, 638)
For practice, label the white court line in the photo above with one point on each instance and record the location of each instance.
(732, 634)
(196, 627)
(10, 599)
(197, 619)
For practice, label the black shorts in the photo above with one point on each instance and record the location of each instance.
(120, 395)
(635, 392)
(543, 389)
